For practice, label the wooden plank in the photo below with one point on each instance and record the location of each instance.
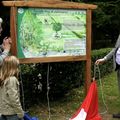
(88, 50)
(49, 4)
(13, 30)
(52, 59)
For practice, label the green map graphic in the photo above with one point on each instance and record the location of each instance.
(50, 32)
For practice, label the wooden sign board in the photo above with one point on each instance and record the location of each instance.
(51, 31)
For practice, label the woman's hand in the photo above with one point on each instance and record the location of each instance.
(99, 61)
(7, 43)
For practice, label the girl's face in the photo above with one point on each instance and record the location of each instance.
(0, 28)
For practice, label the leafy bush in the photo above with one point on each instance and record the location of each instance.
(62, 77)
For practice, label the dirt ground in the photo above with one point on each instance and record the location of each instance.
(108, 117)
(104, 117)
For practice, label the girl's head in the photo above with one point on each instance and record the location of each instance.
(9, 67)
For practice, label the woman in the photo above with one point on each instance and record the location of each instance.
(6, 45)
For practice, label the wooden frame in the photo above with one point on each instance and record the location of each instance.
(49, 4)
(54, 4)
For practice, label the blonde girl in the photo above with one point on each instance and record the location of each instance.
(10, 106)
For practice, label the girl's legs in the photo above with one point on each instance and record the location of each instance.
(11, 117)
(2, 118)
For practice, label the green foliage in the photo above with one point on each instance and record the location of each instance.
(62, 77)
(107, 14)
(106, 23)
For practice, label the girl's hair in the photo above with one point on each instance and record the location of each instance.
(9, 67)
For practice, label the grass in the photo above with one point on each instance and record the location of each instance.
(66, 107)
(111, 93)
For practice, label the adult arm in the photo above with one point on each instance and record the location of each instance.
(106, 58)
(5, 48)
(110, 54)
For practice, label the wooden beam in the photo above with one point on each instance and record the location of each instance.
(88, 52)
(49, 4)
(13, 30)
(52, 59)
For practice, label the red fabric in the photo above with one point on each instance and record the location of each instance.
(89, 105)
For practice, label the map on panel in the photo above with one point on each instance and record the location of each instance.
(50, 32)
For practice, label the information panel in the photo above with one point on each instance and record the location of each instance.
(50, 32)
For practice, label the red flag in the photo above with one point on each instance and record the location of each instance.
(89, 107)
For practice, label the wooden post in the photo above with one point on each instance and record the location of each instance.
(88, 52)
(13, 30)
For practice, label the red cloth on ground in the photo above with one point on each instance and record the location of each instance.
(89, 107)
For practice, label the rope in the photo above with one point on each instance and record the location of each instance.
(22, 90)
(48, 89)
(96, 68)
